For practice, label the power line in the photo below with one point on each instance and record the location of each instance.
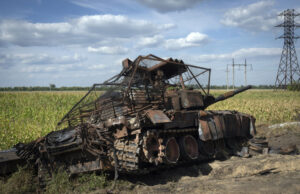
(245, 70)
(227, 71)
(233, 67)
(288, 69)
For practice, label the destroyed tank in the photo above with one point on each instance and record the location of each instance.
(151, 115)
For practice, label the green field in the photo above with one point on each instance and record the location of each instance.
(25, 116)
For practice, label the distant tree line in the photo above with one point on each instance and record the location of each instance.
(52, 87)
(253, 86)
(295, 86)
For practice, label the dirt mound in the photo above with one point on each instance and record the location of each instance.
(265, 173)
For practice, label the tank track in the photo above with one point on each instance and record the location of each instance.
(127, 153)
(131, 155)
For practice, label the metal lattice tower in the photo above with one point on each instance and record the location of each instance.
(288, 70)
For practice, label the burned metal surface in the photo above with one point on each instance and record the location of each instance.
(215, 125)
(150, 116)
(157, 116)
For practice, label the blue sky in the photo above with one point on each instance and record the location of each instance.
(81, 42)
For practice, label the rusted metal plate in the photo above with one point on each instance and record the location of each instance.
(245, 125)
(230, 124)
(157, 116)
(121, 132)
(86, 167)
(182, 119)
(212, 128)
(252, 127)
(204, 132)
(191, 99)
(219, 125)
(223, 126)
(9, 161)
(202, 113)
(187, 119)
(227, 124)
(238, 126)
(175, 102)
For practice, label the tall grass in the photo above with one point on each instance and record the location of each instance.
(266, 106)
(25, 116)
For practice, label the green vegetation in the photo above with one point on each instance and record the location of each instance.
(22, 181)
(267, 106)
(62, 183)
(294, 86)
(25, 116)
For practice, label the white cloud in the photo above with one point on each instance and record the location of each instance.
(114, 50)
(150, 41)
(96, 67)
(62, 68)
(169, 5)
(192, 40)
(82, 30)
(256, 16)
(47, 68)
(241, 54)
(8, 60)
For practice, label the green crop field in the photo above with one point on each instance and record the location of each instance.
(25, 116)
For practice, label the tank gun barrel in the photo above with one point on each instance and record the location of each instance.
(210, 101)
(232, 93)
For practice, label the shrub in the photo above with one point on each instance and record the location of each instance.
(295, 86)
(22, 181)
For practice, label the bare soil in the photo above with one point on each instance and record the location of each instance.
(272, 173)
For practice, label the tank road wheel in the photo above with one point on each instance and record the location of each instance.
(151, 147)
(172, 152)
(188, 147)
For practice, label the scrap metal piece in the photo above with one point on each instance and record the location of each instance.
(191, 99)
(244, 152)
(151, 147)
(9, 161)
(204, 131)
(157, 116)
(219, 125)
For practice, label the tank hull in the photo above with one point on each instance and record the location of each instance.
(90, 147)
